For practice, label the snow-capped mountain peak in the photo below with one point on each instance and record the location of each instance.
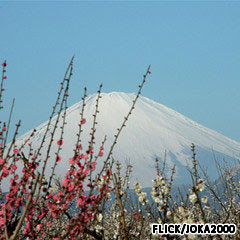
(151, 130)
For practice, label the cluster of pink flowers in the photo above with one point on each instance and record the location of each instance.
(34, 209)
(55, 204)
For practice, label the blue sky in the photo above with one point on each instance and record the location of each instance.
(193, 48)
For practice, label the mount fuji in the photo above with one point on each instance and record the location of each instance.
(152, 131)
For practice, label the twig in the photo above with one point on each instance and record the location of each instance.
(19, 225)
(129, 113)
(8, 124)
(5, 221)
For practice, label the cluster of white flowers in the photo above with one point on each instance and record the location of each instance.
(200, 185)
(142, 196)
(182, 211)
(199, 188)
(99, 217)
(193, 198)
(160, 189)
(98, 228)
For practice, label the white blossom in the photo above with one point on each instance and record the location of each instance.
(193, 198)
(99, 217)
(204, 199)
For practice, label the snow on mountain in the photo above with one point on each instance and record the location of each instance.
(151, 130)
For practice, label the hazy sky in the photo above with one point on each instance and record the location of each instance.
(193, 48)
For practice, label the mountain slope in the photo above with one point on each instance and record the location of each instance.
(151, 130)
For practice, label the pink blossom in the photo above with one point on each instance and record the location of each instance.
(86, 171)
(1, 161)
(60, 142)
(71, 161)
(109, 172)
(14, 167)
(65, 182)
(49, 223)
(5, 170)
(15, 150)
(83, 120)
(70, 187)
(79, 147)
(39, 227)
(80, 202)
